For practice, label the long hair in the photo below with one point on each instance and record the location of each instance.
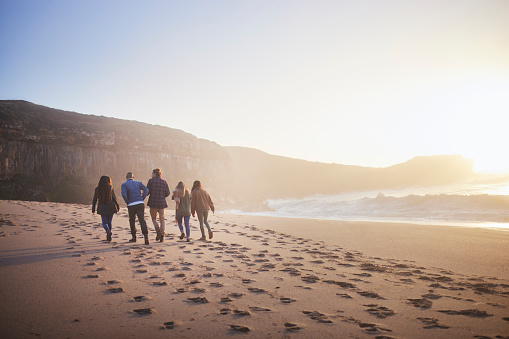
(181, 187)
(104, 190)
(196, 185)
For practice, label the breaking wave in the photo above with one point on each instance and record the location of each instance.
(450, 205)
(441, 207)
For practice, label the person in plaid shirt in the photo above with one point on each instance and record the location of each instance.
(158, 190)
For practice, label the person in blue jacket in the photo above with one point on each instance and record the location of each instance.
(134, 192)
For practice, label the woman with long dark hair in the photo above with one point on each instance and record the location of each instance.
(200, 204)
(104, 195)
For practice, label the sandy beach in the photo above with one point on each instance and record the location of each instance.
(259, 277)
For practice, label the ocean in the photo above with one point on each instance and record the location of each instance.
(466, 204)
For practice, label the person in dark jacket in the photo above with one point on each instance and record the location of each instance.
(108, 205)
(158, 190)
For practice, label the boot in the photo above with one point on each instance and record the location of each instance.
(161, 237)
(133, 239)
(108, 237)
(182, 236)
(146, 240)
(158, 236)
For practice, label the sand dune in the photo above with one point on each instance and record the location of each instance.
(258, 277)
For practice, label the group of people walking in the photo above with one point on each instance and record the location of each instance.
(187, 203)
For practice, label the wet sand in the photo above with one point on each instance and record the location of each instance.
(258, 277)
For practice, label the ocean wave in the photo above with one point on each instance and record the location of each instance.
(476, 208)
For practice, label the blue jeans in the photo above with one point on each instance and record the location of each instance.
(106, 220)
(186, 222)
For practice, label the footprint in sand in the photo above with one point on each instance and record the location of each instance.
(144, 311)
(256, 290)
(198, 300)
(240, 328)
(373, 328)
(368, 294)
(432, 323)
(241, 313)
(310, 278)
(381, 312)
(421, 303)
(292, 327)
(169, 325)
(92, 276)
(285, 300)
(114, 282)
(115, 290)
(320, 317)
(259, 309)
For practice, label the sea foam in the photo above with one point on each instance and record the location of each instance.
(473, 205)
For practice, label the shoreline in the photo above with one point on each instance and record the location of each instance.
(500, 226)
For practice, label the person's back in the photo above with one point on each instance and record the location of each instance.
(184, 208)
(133, 197)
(132, 192)
(201, 200)
(200, 204)
(158, 191)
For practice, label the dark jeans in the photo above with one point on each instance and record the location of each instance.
(106, 220)
(137, 210)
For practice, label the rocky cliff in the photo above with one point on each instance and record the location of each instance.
(62, 154)
(49, 154)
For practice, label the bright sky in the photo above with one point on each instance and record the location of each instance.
(370, 83)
